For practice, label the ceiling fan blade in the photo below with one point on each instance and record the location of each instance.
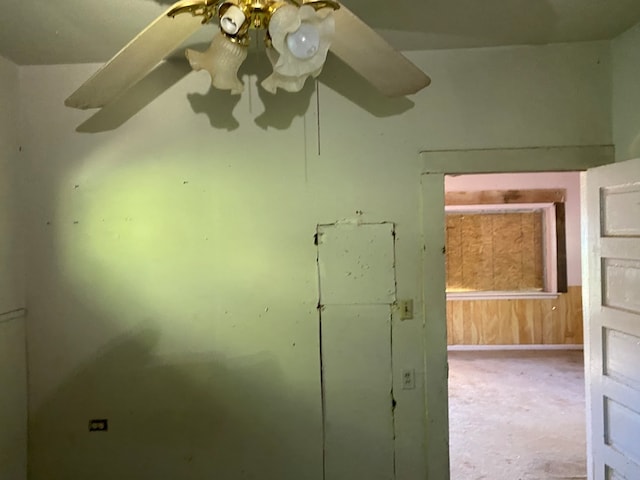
(136, 59)
(371, 56)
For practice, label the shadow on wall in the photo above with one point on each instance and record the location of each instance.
(172, 418)
(184, 418)
(187, 417)
(115, 114)
(280, 110)
(217, 105)
(214, 415)
(339, 77)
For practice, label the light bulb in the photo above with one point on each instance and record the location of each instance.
(304, 42)
(232, 20)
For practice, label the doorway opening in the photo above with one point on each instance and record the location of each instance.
(435, 165)
(514, 326)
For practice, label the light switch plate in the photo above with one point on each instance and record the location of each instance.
(406, 309)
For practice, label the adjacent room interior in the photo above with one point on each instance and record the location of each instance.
(514, 325)
(195, 284)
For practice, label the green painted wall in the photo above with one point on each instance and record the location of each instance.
(11, 273)
(626, 95)
(172, 271)
(13, 411)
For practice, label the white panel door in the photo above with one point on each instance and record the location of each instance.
(611, 257)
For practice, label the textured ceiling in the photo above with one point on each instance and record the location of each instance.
(79, 31)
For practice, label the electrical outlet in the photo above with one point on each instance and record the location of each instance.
(408, 379)
(99, 425)
(406, 309)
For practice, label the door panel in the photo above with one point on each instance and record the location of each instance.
(616, 201)
(622, 358)
(613, 475)
(622, 427)
(621, 284)
(611, 260)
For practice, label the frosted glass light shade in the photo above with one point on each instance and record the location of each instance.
(277, 80)
(222, 60)
(300, 38)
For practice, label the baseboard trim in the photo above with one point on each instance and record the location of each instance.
(12, 315)
(464, 348)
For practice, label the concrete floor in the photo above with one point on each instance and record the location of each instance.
(517, 415)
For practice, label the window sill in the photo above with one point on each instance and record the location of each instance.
(502, 295)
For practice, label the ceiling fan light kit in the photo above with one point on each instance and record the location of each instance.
(297, 39)
(299, 34)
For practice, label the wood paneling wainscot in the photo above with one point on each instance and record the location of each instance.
(517, 322)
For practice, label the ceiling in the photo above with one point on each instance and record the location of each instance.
(86, 31)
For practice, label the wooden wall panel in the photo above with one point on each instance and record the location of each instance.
(517, 322)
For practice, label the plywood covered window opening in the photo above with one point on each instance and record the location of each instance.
(495, 251)
(505, 249)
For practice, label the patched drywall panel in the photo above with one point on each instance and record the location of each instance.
(356, 263)
(357, 392)
(357, 291)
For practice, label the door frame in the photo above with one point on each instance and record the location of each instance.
(434, 166)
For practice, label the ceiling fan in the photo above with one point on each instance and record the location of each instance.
(298, 35)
